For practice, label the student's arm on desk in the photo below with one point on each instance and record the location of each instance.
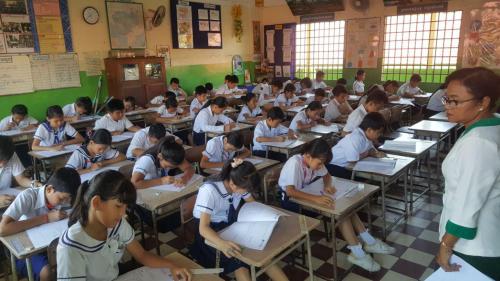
(24, 181)
(328, 188)
(119, 158)
(302, 126)
(229, 248)
(77, 140)
(318, 199)
(35, 146)
(140, 183)
(376, 153)
(9, 226)
(245, 153)
(151, 260)
(137, 152)
(188, 170)
(206, 164)
(133, 129)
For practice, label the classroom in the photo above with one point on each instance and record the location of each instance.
(249, 140)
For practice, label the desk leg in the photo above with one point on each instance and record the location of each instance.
(13, 267)
(309, 257)
(36, 173)
(45, 173)
(253, 276)
(334, 248)
(155, 231)
(405, 188)
(384, 226)
(29, 268)
(429, 171)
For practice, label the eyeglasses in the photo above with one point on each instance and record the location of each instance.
(454, 103)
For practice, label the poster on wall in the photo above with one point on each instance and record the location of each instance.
(126, 25)
(362, 43)
(185, 27)
(482, 40)
(256, 37)
(49, 26)
(17, 33)
(203, 25)
(214, 40)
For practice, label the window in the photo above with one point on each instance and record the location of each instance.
(319, 46)
(426, 44)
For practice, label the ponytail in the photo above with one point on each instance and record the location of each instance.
(80, 208)
(244, 175)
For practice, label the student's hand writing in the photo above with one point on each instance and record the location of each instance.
(11, 125)
(364, 154)
(116, 133)
(167, 180)
(179, 182)
(57, 147)
(230, 249)
(6, 199)
(324, 200)
(96, 166)
(179, 274)
(56, 215)
(326, 123)
(330, 190)
(292, 136)
(380, 154)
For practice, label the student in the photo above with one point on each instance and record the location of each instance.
(287, 99)
(357, 145)
(410, 88)
(308, 117)
(170, 110)
(18, 120)
(98, 233)
(153, 167)
(200, 97)
(158, 100)
(226, 80)
(372, 88)
(208, 117)
(341, 82)
(230, 87)
(95, 154)
(303, 169)
(276, 88)
(319, 95)
(115, 120)
(262, 88)
(306, 86)
(318, 82)
(130, 104)
(358, 87)
(210, 89)
(390, 88)
(294, 81)
(435, 104)
(11, 167)
(250, 111)
(174, 87)
(218, 201)
(73, 111)
(338, 109)
(146, 138)
(270, 130)
(223, 148)
(53, 134)
(374, 102)
(37, 206)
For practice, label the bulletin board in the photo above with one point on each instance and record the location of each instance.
(196, 25)
(279, 48)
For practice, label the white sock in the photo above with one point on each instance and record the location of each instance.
(357, 250)
(367, 238)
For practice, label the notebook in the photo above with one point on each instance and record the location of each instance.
(344, 188)
(66, 150)
(42, 235)
(146, 274)
(400, 145)
(376, 165)
(173, 187)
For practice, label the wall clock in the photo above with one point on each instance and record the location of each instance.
(90, 15)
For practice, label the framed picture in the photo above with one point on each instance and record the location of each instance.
(126, 25)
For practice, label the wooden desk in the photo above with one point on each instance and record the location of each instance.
(19, 136)
(43, 157)
(231, 113)
(9, 191)
(287, 236)
(239, 127)
(344, 206)
(422, 99)
(386, 179)
(85, 122)
(175, 125)
(154, 201)
(142, 115)
(121, 142)
(120, 167)
(291, 112)
(294, 147)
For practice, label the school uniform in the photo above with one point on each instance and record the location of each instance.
(12, 168)
(224, 90)
(263, 130)
(29, 204)
(81, 159)
(355, 118)
(28, 120)
(69, 110)
(435, 105)
(472, 196)
(178, 92)
(223, 207)
(195, 104)
(246, 110)
(262, 88)
(215, 152)
(282, 99)
(141, 141)
(347, 150)
(318, 84)
(81, 257)
(162, 110)
(407, 88)
(332, 111)
(157, 100)
(302, 117)
(49, 136)
(206, 121)
(148, 166)
(358, 87)
(296, 173)
(106, 122)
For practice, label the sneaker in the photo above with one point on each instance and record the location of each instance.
(365, 262)
(379, 247)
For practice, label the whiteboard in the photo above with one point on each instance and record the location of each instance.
(15, 75)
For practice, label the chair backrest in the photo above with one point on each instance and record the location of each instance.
(52, 258)
(127, 170)
(194, 154)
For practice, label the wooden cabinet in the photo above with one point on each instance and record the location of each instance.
(142, 77)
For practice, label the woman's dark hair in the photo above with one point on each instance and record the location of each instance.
(307, 82)
(372, 120)
(54, 111)
(313, 106)
(169, 149)
(19, 109)
(339, 90)
(7, 148)
(209, 86)
(277, 83)
(174, 80)
(157, 131)
(235, 139)
(415, 78)
(219, 101)
(360, 72)
(248, 97)
(115, 105)
(84, 102)
(101, 136)
(65, 180)
(289, 88)
(318, 148)
(276, 113)
(376, 96)
(108, 185)
(244, 176)
(480, 82)
(319, 92)
(171, 102)
(200, 90)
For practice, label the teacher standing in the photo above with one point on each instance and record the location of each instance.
(470, 220)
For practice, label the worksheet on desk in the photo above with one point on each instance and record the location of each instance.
(400, 145)
(322, 128)
(282, 144)
(10, 191)
(375, 165)
(123, 137)
(42, 235)
(67, 149)
(91, 174)
(146, 274)
(344, 188)
(173, 187)
(16, 132)
(466, 273)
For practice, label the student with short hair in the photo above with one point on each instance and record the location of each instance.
(146, 138)
(159, 100)
(358, 87)
(435, 104)
(210, 89)
(308, 117)
(341, 82)
(95, 154)
(391, 87)
(223, 148)
(169, 110)
(276, 87)
(130, 104)
(73, 111)
(115, 120)
(55, 133)
(338, 109)
(375, 101)
(319, 95)
(318, 82)
(200, 97)
(98, 233)
(251, 110)
(410, 88)
(230, 87)
(18, 120)
(175, 87)
(287, 99)
(306, 86)
(37, 206)
(262, 88)
(208, 117)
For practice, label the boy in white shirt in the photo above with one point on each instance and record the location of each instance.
(73, 111)
(358, 86)
(375, 101)
(130, 104)
(435, 104)
(319, 95)
(175, 88)
(391, 87)
(208, 117)
(308, 118)
(199, 100)
(318, 83)
(338, 109)
(287, 99)
(19, 119)
(223, 148)
(230, 87)
(169, 110)
(146, 138)
(115, 120)
(410, 88)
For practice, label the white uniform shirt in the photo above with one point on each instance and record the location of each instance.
(141, 141)
(215, 152)
(435, 102)
(224, 90)
(282, 99)
(146, 166)
(69, 110)
(296, 173)
(302, 117)
(472, 190)
(318, 84)
(205, 121)
(355, 118)
(332, 111)
(406, 88)
(162, 110)
(12, 168)
(28, 204)
(178, 92)
(81, 257)
(28, 120)
(350, 148)
(358, 86)
(49, 137)
(81, 159)
(262, 88)
(214, 200)
(195, 104)
(262, 130)
(106, 122)
(157, 100)
(246, 110)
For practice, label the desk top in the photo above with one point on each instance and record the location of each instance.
(17, 133)
(441, 116)
(44, 155)
(433, 126)
(353, 98)
(402, 163)
(421, 147)
(303, 139)
(142, 111)
(266, 163)
(178, 121)
(239, 127)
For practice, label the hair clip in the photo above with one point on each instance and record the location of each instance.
(236, 162)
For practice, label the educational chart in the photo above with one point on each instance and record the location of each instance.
(126, 25)
(55, 71)
(15, 75)
(49, 26)
(280, 49)
(362, 43)
(482, 41)
(16, 34)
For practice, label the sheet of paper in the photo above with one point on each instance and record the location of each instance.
(287, 36)
(270, 39)
(287, 71)
(39, 70)
(10, 191)
(146, 274)
(404, 101)
(42, 235)
(16, 132)
(254, 161)
(270, 54)
(64, 70)
(172, 187)
(400, 145)
(466, 273)
(296, 108)
(287, 53)
(322, 128)
(376, 165)
(90, 175)
(344, 188)
(256, 211)
(252, 235)
(67, 149)
(15, 75)
(286, 143)
(123, 137)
